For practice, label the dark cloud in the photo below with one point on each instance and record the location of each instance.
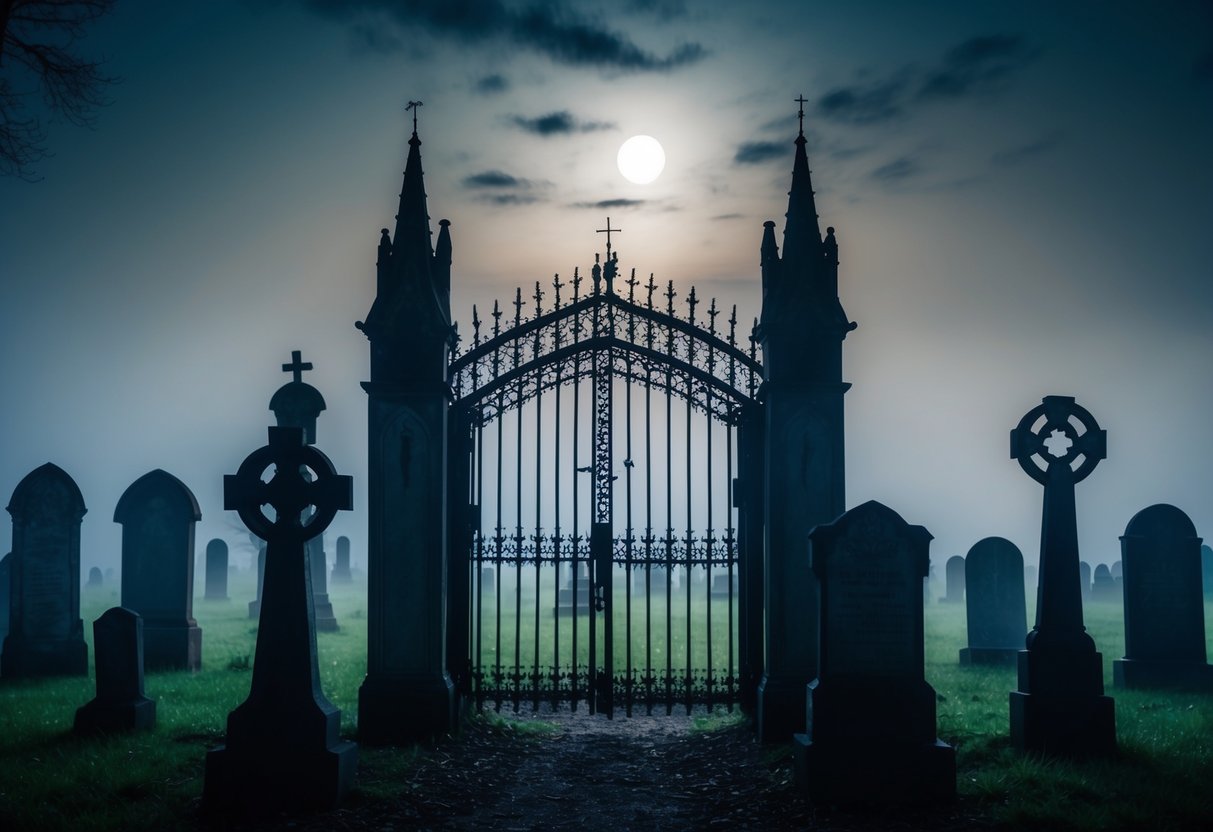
(491, 84)
(558, 123)
(611, 203)
(1015, 155)
(509, 199)
(720, 217)
(898, 170)
(757, 153)
(976, 66)
(551, 28)
(864, 104)
(494, 179)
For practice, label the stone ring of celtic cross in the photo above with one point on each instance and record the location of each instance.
(303, 478)
(1058, 431)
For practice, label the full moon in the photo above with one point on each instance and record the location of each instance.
(641, 159)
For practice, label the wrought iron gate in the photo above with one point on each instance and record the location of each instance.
(600, 562)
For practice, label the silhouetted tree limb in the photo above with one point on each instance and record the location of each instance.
(36, 40)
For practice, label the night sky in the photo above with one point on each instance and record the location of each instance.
(1023, 194)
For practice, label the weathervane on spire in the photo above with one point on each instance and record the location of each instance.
(801, 101)
(413, 105)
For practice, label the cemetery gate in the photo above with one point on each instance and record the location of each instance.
(605, 482)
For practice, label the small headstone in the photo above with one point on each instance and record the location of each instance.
(94, 577)
(649, 579)
(254, 606)
(341, 566)
(995, 606)
(120, 704)
(216, 570)
(954, 575)
(283, 750)
(1206, 569)
(721, 586)
(1164, 604)
(1084, 579)
(326, 619)
(157, 513)
(45, 633)
(565, 602)
(488, 579)
(1103, 586)
(871, 734)
(5, 572)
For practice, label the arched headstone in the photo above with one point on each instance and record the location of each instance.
(216, 570)
(1103, 586)
(157, 514)
(954, 575)
(94, 577)
(45, 634)
(995, 605)
(341, 566)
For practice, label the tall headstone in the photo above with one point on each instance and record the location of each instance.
(871, 734)
(1060, 707)
(298, 404)
(341, 565)
(1206, 569)
(121, 704)
(488, 579)
(1103, 586)
(94, 577)
(1084, 579)
(5, 583)
(954, 576)
(216, 570)
(801, 333)
(158, 514)
(283, 749)
(254, 606)
(1164, 605)
(995, 606)
(45, 633)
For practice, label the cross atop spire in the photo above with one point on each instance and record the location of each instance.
(413, 105)
(608, 231)
(800, 100)
(297, 365)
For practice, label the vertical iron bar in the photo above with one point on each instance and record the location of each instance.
(538, 537)
(479, 674)
(573, 679)
(731, 553)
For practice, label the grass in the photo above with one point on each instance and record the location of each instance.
(51, 780)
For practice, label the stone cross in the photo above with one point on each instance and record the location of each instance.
(1060, 707)
(283, 748)
(297, 367)
(120, 704)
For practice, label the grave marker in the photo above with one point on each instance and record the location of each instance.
(120, 704)
(157, 514)
(1164, 604)
(488, 579)
(341, 566)
(954, 576)
(995, 605)
(1103, 587)
(45, 633)
(871, 734)
(94, 577)
(216, 570)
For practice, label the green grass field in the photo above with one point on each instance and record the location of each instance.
(51, 780)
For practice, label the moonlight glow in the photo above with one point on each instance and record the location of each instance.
(641, 159)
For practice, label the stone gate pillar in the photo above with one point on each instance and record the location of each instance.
(408, 694)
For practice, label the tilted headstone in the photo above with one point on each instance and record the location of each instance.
(254, 606)
(1103, 586)
(341, 566)
(1206, 569)
(871, 734)
(283, 749)
(1084, 579)
(158, 514)
(45, 633)
(120, 704)
(5, 571)
(216, 570)
(995, 606)
(94, 577)
(1164, 605)
(954, 575)
(1060, 707)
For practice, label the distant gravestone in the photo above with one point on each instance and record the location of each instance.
(488, 579)
(995, 606)
(157, 514)
(5, 571)
(326, 619)
(216, 570)
(721, 587)
(94, 577)
(1103, 586)
(1117, 570)
(120, 704)
(1164, 604)
(254, 606)
(566, 602)
(954, 576)
(871, 735)
(1084, 579)
(1206, 569)
(341, 566)
(283, 750)
(45, 633)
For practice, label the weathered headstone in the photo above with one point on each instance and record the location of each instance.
(488, 579)
(5, 583)
(254, 606)
(45, 633)
(1103, 586)
(1060, 707)
(566, 603)
(871, 735)
(216, 570)
(1206, 569)
(721, 587)
(94, 577)
(341, 566)
(954, 575)
(995, 606)
(157, 513)
(283, 749)
(120, 704)
(1084, 579)
(1164, 604)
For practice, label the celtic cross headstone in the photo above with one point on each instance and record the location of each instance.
(1060, 706)
(283, 750)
